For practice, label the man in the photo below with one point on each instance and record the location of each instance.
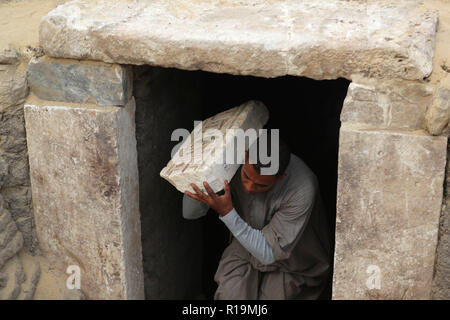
(280, 247)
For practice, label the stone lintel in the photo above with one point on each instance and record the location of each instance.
(316, 39)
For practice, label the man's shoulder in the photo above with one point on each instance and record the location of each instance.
(299, 184)
(299, 172)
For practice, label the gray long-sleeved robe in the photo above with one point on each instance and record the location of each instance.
(293, 221)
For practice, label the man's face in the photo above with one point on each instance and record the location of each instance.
(253, 182)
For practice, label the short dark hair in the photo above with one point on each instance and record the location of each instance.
(284, 155)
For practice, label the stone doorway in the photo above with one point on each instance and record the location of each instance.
(390, 168)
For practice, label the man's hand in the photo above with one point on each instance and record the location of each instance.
(221, 204)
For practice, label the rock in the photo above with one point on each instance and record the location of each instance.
(438, 115)
(13, 86)
(207, 162)
(26, 227)
(34, 282)
(315, 39)
(11, 248)
(14, 176)
(17, 170)
(8, 234)
(3, 281)
(80, 81)
(441, 280)
(11, 240)
(3, 171)
(18, 201)
(9, 56)
(388, 208)
(85, 157)
(13, 125)
(391, 104)
(19, 279)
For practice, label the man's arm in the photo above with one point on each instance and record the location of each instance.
(251, 239)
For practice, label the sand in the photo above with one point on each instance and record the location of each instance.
(51, 284)
(19, 21)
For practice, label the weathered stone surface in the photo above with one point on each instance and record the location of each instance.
(17, 200)
(14, 278)
(84, 179)
(388, 207)
(11, 240)
(8, 56)
(438, 115)
(441, 280)
(19, 279)
(14, 176)
(387, 103)
(13, 86)
(80, 81)
(35, 276)
(316, 39)
(202, 158)
(12, 130)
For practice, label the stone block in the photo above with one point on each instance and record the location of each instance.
(202, 156)
(387, 103)
(84, 180)
(441, 280)
(13, 86)
(438, 115)
(80, 81)
(388, 206)
(315, 39)
(9, 56)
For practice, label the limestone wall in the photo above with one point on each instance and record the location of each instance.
(437, 119)
(18, 44)
(441, 281)
(21, 267)
(14, 177)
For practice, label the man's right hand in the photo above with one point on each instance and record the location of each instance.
(221, 204)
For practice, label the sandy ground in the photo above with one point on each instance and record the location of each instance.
(50, 286)
(19, 21)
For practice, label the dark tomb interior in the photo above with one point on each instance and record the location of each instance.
(181, 256)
